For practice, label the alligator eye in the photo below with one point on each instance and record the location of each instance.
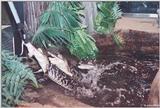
(30, 60)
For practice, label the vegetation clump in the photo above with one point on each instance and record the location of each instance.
(108, 14)
(15, 76)
(60, 25)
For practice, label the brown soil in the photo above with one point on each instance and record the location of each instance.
(125, 82)
(133, 42)
(115, 80)
(140, 24)
(50, 94)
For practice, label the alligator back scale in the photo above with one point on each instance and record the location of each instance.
(62, 79)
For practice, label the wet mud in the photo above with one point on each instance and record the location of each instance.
(119, 81)
(116, 78)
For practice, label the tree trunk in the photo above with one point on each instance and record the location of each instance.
(90, 13)
(32, 12)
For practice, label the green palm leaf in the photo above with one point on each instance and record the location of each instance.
(107, 16)
(60, 25)
(83, 46)
(46, 35)
(58, 15)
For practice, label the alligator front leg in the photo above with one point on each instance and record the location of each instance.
(40, 57)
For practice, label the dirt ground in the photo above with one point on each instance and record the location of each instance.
(52, 95)
(140, 24)
(123, 82)
(49, 95)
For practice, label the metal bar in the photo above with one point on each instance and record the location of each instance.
(140, 15)
(14, 12)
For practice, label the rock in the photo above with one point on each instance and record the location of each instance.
(154, 97)
(85, 66)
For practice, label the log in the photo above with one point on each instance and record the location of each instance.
(32, 12)
(134, 42)
(154, 96)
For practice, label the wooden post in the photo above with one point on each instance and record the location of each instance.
(33, 9)
(32, 12)
(90, 13)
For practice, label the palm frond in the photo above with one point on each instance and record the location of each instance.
(107, 16)
(83, 46)
(60, 15)
(117, 40)
(47, 36)
(116, 11)
(60, 25)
